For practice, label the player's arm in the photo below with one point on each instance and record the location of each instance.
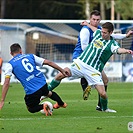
(41, 61)
(90, 26)
(124, 51)
(130, 32)
(84, 38)
(54, 65)
(4, 91)
(117, 50)
(122, 36)
(5, 87)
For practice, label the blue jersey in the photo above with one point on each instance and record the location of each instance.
(78, 50)
(24, 68)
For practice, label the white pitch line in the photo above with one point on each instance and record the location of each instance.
(87, 117)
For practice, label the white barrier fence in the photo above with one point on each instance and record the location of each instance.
(128, 72)
(112, 69)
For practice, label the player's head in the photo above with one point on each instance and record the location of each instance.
(95, 18)
(107, 30)
(15, 49)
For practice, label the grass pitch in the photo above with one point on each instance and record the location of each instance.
(79, 117)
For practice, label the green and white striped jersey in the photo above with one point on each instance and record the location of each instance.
(98, 52)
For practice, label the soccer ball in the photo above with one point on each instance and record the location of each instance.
(50, 107)
(43, 97)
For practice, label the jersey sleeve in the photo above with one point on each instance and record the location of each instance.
(118, 36)
(114, 47)
(84, 37)
(38, 60)
(8, 70)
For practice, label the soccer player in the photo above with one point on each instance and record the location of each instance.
(91, 62)
(23, 66)
(84, 38)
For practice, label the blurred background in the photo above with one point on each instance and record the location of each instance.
(66, 9)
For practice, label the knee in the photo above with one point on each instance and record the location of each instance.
(103, 94)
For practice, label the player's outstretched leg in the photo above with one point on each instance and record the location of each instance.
(86, 93)
(86, 89)
(53, 84)
(56, 106)
(59, 101)
(83, 83)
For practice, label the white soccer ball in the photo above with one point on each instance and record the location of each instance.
(43, 97)
(50, 107)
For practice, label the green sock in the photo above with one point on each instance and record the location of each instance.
(53, 84)
(104, 103)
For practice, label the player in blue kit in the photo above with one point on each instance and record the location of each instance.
(23, 66)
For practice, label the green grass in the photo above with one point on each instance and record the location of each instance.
(79, 117)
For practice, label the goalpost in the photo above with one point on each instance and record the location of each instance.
(51, 39)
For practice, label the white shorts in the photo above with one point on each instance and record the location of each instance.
(79, 70)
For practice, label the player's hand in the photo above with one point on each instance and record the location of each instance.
(130, 52)
(84, 23)
(66, 73)
(1, 104)
(130, 32)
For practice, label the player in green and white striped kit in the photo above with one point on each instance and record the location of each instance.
(91, 62)
(99, 51)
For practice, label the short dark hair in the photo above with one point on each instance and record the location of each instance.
(95, 12)
(14, 48)
(108, 26)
